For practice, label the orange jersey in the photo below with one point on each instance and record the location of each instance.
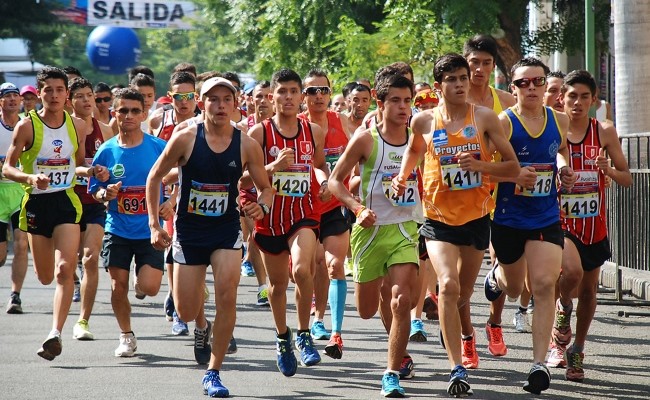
(452, 196)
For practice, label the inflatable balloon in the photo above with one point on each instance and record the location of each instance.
(113, 49)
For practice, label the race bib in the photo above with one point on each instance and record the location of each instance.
(455, 178)
(543, 183)
(131, 200)
(208, 199)
(332, 156)
(82, 180)
(580, 203)
(57, 169)
(408, 198)
(294, 181)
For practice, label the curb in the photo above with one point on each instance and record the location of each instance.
(635, 281)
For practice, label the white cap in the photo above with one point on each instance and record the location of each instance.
(217, 81)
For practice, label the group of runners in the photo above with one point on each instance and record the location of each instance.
(307, 183)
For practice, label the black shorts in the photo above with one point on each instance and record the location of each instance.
(474, 233)
(334, 222)
(15, 217)
(93, 214)
(509, 243)
(169, 255)
(119, 252)
(423, 253)
(278, 244)
(592, 255)
(41, 213)
(200, 253)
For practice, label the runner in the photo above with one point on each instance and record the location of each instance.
(103, 102)
(553, 94)
(30, 100)
(456, 140)
(586, 245)
(384, 237)
(50, 147)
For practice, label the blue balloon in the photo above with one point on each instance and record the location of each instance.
(113, 49)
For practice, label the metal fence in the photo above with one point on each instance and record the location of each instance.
(629, 208)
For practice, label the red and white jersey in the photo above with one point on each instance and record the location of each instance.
(583, 209)
(296, 187)
(167, 125)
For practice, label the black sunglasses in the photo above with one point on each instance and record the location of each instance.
(103, 99)
(125, 111)
(525, 82)
(314, 90)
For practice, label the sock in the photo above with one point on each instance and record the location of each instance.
(262, 287)
(523, 310)
(54, 332)
(469, 337)
(337, 293)
(577, 348)
(390, 371)
(15, 294)
(301, 331)
(491, 325)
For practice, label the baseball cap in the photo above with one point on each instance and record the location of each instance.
(164, 100)
(248, 88)
(217, 81)
(7, 88)
(28, 89)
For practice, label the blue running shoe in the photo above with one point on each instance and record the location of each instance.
(287, 363)
(308, 354)
(202, 347)
(390, 386)
(247, 269)
(492, 291)
(406, 368)
(76, 295)
(417, 331)
(232, 346)
(169, 307)
(212, 385)
(179, 328)
(318, 331)
(458, 383)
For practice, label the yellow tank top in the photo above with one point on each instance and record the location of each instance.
(453, 196)
(496, 103)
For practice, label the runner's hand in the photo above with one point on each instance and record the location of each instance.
(39, 181)
(467, 162)
(527, 177)
(252, 210)
(602, 162)
(366, 218)
(568, 178)
(285, 158)
(112, 190)
(324, 193)
(101, 173)
(399, 185)
(160, 239)
(166, 210)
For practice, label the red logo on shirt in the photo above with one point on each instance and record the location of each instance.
(591, 152)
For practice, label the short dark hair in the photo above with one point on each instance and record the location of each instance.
(102, 87)
(185, 67)
(70, 70)
(232, 77)
(393, 81)
(530, 62)
(484, 43)
(49, 72)
(285, 75)
(142, 80)
(449, 62)
(128, 94)
(348, 88)
(399, 67)
(556, 74)
(263, 85)
(178, 78)
(78, 83)
(317, 72)
(580, 76)
(403, 68)
(140, 69)
(360, 87)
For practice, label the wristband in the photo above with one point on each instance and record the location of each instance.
(104, 196)
(359, 211)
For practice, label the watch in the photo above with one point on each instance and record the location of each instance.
(265, 209)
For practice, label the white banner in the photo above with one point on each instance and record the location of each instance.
(141, 13)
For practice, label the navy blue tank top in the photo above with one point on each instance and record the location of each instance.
(208, 195)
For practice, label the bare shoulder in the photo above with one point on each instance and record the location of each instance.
(156, 118)
(505, 98)
(421, 122)
(608, 133)
(562, 120)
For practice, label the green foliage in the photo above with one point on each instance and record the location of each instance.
(32, 21)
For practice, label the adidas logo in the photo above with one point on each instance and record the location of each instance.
(232, 164)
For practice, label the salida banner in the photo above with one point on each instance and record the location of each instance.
(141, 13)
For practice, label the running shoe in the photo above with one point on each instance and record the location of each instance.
(308, 354)
(247, 269)
(390, 386)
(334, 347)
(574, 362)
(212, 385)
(430, 307)
(539, 379)
(170, 308)
(441, 339)
(556, 356)
(470, 356)
(521, 322)
(179, 327)
(496, 345)
(492, 291)
(52, 347)
(128, 345)
(318, 331)
(76, 295)
(287, 363)
(80, 331)
(202, 347)
(417, 331)
(263, 298)
(232, 346)
(561, 333)
(458, 383)
(407, 368)
(15, 305)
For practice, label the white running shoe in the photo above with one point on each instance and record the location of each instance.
(128, 345)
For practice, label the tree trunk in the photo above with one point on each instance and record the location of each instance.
(632, 56)
(512, 16)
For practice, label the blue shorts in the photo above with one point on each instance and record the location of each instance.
(227, 237)
(93, 214)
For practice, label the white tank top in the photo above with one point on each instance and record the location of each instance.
(6, 134)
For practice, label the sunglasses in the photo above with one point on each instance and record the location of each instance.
(103, 99)
(314, 90)
(125, 111)
(523, 83)
(182, 96)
